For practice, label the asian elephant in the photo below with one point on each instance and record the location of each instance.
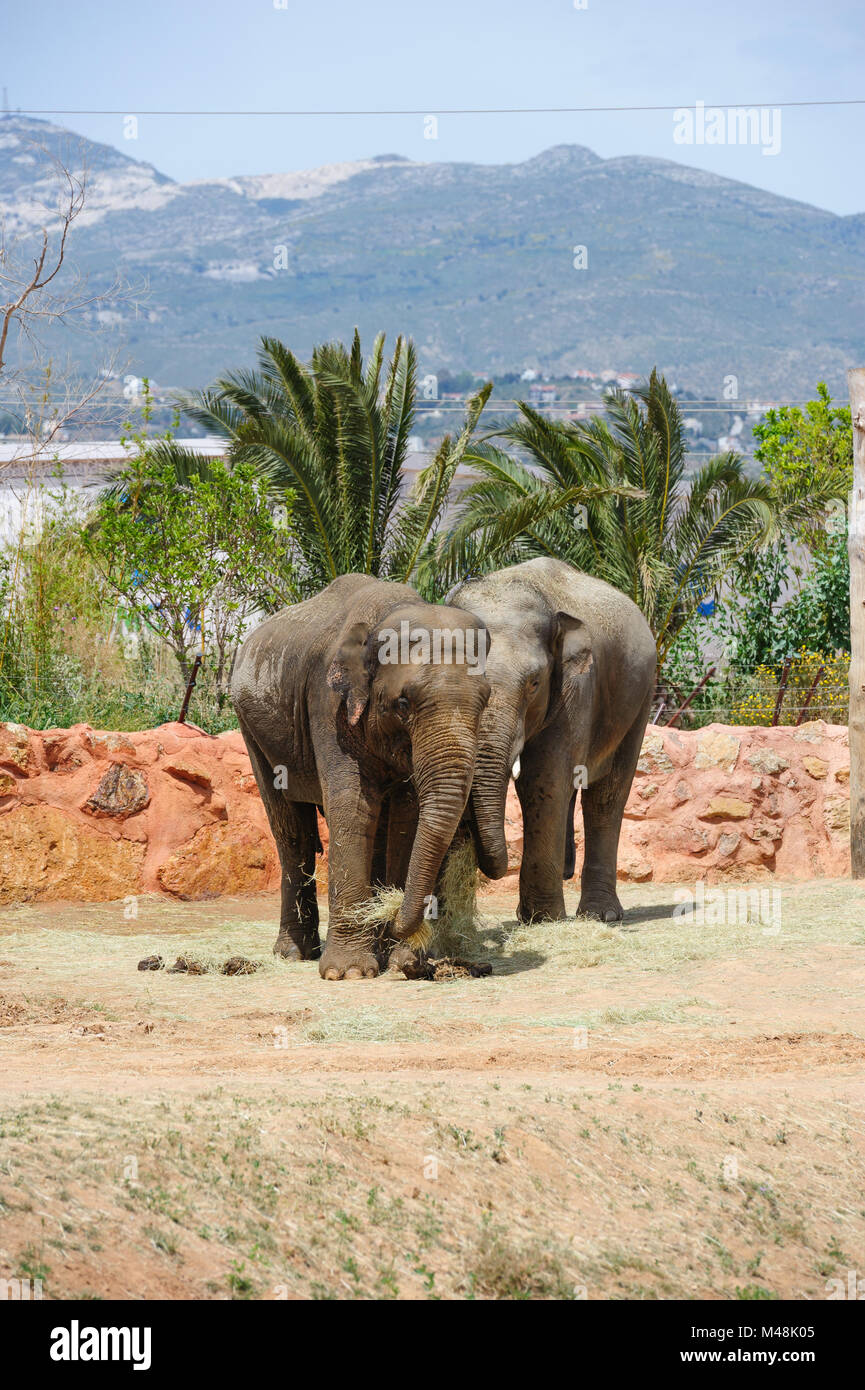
(572, 671)
(363, 701)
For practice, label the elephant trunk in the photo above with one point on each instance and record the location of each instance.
(489, 795)
(443, 777)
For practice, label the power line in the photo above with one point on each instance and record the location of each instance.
(591, 408)
(456, 110)
(733, 408)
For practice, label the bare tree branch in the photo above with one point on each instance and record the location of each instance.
(30, 299)
(43, 399)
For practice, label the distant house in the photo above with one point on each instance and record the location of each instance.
(543, 396)
(732, 440)
(31, 475)
(627, 380)
(133, 387)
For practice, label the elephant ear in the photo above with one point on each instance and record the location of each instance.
(572, 653)
(575, 644)
(350, 671)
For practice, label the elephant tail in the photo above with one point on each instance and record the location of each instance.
(570, 847)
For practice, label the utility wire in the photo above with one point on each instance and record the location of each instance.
(453, 111)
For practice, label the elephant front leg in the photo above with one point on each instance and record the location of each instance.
(603, 805)
(350, 949)
(544, 788)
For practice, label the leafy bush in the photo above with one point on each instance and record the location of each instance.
(71, 652)
(756, 703)
(190, 547)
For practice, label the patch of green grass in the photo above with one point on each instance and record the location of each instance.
(31, 1265)
(161, 1241)
(500, 1267)
(240, 1286)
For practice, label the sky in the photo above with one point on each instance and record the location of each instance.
(202, 55)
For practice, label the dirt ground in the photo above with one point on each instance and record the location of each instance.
(661, 1109)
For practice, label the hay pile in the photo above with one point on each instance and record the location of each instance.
(437, 949)
(457, 926)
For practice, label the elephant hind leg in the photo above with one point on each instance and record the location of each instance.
(544, 787)
(298, 937)
(603, 803)
(295, 830)
(379, 854)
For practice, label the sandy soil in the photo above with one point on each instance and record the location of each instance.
(659, 1110)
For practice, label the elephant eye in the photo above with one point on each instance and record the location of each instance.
(402, 704)
(534, 683)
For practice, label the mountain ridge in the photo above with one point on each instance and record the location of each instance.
(702, 275)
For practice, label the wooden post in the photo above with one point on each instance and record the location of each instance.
(856, 543)
(782, 690)
(697, 688)
(181, 718)
(810, 696)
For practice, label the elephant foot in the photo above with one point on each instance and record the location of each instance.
(601, 907)
(348, 963)
(413, 964)
(308, 948)
(420, 966)
(541, 912)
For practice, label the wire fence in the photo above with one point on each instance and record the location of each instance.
(802, 688)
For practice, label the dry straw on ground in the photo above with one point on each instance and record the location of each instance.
(452, 928)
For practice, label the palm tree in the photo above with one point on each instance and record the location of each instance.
(129, 484)
(337, 440)
(639, 523)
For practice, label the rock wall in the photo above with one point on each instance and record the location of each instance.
(730, 804)
(91, 816)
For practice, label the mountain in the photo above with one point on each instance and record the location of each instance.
(703, 276)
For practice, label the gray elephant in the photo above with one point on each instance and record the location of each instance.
(572, 670)
(366, 702)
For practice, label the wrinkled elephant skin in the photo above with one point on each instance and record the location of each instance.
(357, 701)
(572, 671)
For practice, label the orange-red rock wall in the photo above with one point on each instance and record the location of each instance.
(91, 816)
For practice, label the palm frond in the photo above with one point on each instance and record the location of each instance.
(418, 518)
